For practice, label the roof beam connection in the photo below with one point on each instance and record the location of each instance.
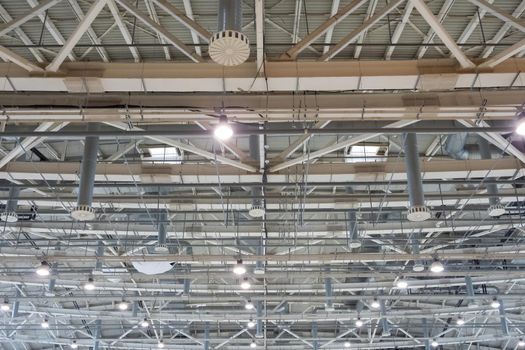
(35, 11)
(192, 25)
(123, 29)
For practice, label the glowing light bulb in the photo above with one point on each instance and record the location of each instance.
(495, 303)
(437, 267)
(223, 131)
(160, 344)
(359, 322)
(245, 284)
(90, 284)
(45, 324)
(253, 345)
(250, 323)
(43, 270)
(402, 284)
(375, 304)
(460, 321)
(123, 306)
(74, 345)
(144, 323)
(434, 343)
(239, 268)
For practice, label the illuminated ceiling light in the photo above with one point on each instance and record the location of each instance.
(495, 303)
(90, 284)
(437, 266)
(45, 323)
(347, 344)
(402, 284)
(250, 323)
(44, 269)
(5, 306)
(239, 268)
(223, 131)
(358, 322)
(521, 342)
(160, 344)
(434, 343)
(520, 128)
(123, 305)
(144, 323)
(253, 344)
(375, 304)
(460, 321)
(74, 344)
(249, 305)
(245, 284)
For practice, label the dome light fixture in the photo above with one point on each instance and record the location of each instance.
(160, 344)
(223, 131)
(347, 344)
(434, 343)
(5, 306)
(437, 266)
(253, 344)
(520, 127)
(460, 321)
(495, 303)
(249, 305)
(359, 322)
(123, 305)
(89, 285)
(521, 343)
(245, 284)
(375, 304)
(45, 324)
(43, 270)
(239, 268)
(250, 323)
(144, 323)
(74, 344)
(402, 284)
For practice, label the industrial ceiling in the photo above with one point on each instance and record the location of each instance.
(271, 174)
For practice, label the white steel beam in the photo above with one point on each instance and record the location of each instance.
(153, 15)
(445, 37)
(503, 30)
(299, 142)
(123, 29)
(183, 19)
(330, 32)
(498, 13)
(354, 34)
(259, 27)
(189, 148)
(504, 55)
(294, 51)
(93, 37)
(20, 61)
(369, 13)
(429, 37)
(472, 25)
(51, 27)
(189, 12)
(284, 30)
(76, 35)
(23, 36)
(161, 31)
(297, 20)
(399, 29)
(336, 146)
(17, 22)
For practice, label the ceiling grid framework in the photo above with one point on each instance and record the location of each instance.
(272, 174)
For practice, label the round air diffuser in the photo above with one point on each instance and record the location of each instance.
(229, 48)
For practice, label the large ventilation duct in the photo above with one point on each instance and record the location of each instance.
(417, 211)
(257, 209)
(495, 208)
(259, 331)
(414, 247)
(229, 47)
(455, 146)
(83, 211)
(352, 229)
(10, 215)
(329, 304)
(161, 246)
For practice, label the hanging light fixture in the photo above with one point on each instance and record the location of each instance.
(460, 321)
(347, 344)
(437, 266)
(144, 323)
(44, 269)
(249, 305)
(89, 285)
(375, 303)
(359, 322)
(520, 126)
(521, 342)
(250, 323)
(223, 131)
(123, 305)
(74, 344)
(401, 284)
(245, 284)
(253, 344)
(434, 343)
(5, 306)
(45, 323)
(239, 268)
(495, 303)
(160, 344)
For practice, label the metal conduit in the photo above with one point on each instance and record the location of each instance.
(83, 211)
(230, 15)
(417, 211)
